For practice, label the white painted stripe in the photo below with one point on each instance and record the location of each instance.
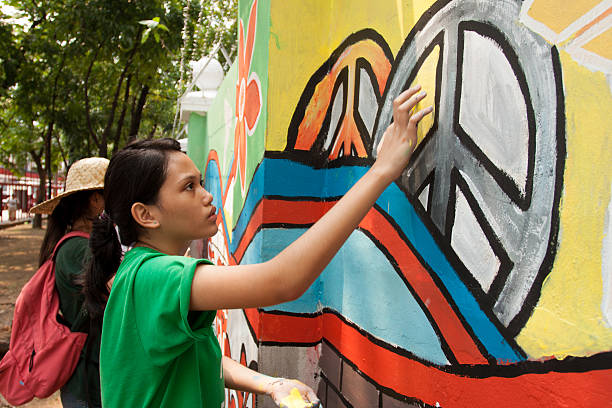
(593, 32)
(592, 61)
(574, 27)
(536, 25)
(587, 58)
(587, 18)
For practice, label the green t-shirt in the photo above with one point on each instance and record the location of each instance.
(154, 352)
(70, 261)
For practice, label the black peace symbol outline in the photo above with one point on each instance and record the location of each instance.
(522, 227)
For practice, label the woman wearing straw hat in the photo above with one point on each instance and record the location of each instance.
(74, 210)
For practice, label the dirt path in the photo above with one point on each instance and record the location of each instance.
(19, 246)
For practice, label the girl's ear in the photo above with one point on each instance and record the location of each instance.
(143, 216)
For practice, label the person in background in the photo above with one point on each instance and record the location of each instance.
(158, 348)
(11, 205)
(74, 210)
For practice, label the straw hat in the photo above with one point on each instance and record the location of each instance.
(85, 174)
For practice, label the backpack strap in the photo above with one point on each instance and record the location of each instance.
(67, 237)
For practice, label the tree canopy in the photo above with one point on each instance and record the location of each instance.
(83, 77)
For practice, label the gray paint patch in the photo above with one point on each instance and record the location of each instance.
(336, 117)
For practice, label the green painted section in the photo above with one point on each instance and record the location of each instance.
(217, 130)
(196, 143)
(221, 119)
(256, 142)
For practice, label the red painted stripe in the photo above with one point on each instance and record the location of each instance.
(411, 378)
(253, 316)
(294, 212)
(249, 232)
(429, 384)
(290, 329)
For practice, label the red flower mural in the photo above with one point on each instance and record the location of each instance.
(248, 98)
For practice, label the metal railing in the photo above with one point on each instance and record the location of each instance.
(19, 194)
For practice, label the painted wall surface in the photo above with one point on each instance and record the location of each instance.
(483, 276)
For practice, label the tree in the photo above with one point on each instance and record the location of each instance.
(83, 77)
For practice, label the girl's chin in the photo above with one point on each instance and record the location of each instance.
(210, 232)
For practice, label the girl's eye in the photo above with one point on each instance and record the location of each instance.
(189, 187)
(201, 182)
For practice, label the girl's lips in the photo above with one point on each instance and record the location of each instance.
(213, 213)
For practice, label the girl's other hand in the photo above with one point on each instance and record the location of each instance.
(292, 394)
(400, 138)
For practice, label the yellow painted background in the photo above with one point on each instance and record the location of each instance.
(303, 35)
(568, 318)
(601, 45)
(560, 15)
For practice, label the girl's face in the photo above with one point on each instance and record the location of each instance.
(96, 204)
(185, 208)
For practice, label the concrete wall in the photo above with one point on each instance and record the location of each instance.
(482, 276)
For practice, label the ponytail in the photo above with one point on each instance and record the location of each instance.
(134, 174)
(105, 259)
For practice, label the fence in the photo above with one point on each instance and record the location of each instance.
(19, 194)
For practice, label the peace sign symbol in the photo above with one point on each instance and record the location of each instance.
(488, 174)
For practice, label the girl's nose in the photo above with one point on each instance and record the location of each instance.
(207, 197)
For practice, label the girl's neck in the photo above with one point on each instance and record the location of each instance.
(163, 247)
(82, 224)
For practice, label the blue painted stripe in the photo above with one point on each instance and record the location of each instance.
(212, 184)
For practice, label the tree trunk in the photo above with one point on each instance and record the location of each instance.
(37, 157)
(48, 136)
(137, 112)
(111, 116)
(126, 98)
(90, 128)
(152, 133)
(59, 146)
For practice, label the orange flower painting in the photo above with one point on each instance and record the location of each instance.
(248, 97)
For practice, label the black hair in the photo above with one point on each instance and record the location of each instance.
(69, 209)
(135, 174)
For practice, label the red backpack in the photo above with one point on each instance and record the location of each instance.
(43, 352)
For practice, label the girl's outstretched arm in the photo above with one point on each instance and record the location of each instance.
(285, 392)
(287, 276)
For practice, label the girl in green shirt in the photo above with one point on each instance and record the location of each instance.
(158, 348)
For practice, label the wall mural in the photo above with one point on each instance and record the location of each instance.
(436, 298)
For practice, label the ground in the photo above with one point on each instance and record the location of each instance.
(19, 246)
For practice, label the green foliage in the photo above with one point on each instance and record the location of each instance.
(153, 26)
(82, 77)
(9, 59)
